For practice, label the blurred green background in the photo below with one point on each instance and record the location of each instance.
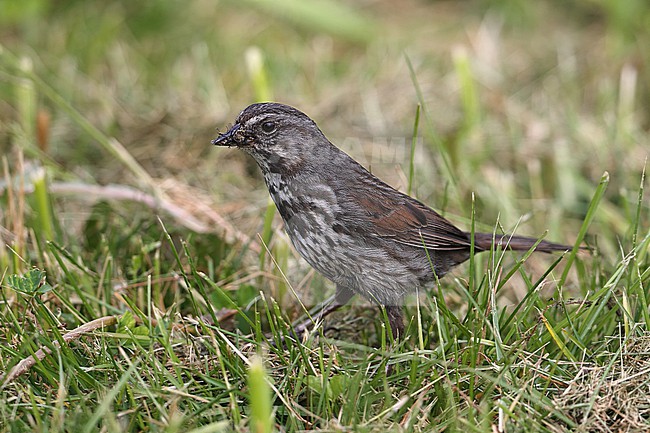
(526, 105)
(520, 101)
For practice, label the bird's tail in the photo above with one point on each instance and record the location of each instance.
(484, 241)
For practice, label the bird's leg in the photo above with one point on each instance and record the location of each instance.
(331, 304)
(396, 320)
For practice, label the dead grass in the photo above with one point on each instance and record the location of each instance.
(613, 397)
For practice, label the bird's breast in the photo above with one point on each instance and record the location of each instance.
(308, 212)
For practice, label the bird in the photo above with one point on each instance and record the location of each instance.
(362, 234)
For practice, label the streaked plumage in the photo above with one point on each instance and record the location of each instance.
(356, 230)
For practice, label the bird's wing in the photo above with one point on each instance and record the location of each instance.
(376, 209)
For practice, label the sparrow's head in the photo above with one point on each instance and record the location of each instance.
(279, 137)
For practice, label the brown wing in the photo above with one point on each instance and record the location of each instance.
(375, 209)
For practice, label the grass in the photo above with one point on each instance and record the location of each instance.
(137, 295)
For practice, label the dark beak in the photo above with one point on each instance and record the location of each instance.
(227, 139)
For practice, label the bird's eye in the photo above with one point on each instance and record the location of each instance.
(268, 127)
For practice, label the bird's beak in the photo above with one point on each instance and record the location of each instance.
(227, 138)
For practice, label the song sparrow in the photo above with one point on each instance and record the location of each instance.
(359, 232)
